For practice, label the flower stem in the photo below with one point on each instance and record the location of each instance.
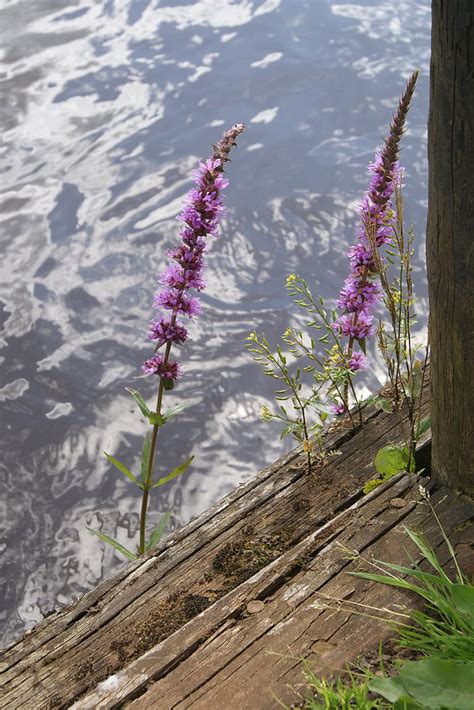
(148, 482)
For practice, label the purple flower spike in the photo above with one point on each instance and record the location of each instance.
(360, 294)
(358, 361)
(203, 208)
(356, 327)
(156, 365)
(163, 331)
(357, 296)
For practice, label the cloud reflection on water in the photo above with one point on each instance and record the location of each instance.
(109, 106)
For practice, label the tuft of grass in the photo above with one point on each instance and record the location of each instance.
(442, 634)
(444, 629)
(339, 694)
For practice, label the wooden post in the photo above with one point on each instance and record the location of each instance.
(450, 242)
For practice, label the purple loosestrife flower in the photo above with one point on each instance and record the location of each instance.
(357, 328)
(156, 365)
(360, 295)
(203, 207)
(163, 331)
(357, 296)
(358, 361)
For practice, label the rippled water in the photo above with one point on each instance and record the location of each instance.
(106, 107)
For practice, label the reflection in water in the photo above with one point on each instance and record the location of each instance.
(108, 106)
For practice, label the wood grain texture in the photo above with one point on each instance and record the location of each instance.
(450, 234)
(188, 593)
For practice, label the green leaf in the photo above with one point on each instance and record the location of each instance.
(390, 460)
(423, 427)
(158, 531)
(110, 541)
(392, 689)
(174, 473)
(123, 469)
(145, 457)
(140, 401)
(362, 346)
(178, 408)
(385, 404)
(390, 581)
(463, 599)
(372, 485)
(437, 683)
(290, 428)
(153, 417)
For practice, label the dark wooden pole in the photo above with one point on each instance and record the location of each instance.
(450, 242)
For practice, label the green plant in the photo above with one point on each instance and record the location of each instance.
(333, 346)
(200, 218)
(341, 694)
(401, 353)
(442, 634)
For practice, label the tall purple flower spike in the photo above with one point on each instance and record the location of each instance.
(203, 207)
(361, 294)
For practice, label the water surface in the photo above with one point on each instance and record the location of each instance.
(106, 108)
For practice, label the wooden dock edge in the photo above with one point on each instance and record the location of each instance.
(210, 581)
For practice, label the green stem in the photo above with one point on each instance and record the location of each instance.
(148, 482)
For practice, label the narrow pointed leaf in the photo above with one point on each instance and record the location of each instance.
(384, 404)
(158, 531)
(390, 581)
(178, 408)
(110, 541)
(423, 427)
(174, 473)
(123, 469)
(140, 401)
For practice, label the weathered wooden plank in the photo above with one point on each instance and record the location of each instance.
(222, 616)
(236, 666)
(97, 635)
(281, 473)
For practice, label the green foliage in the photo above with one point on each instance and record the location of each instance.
(340, 694)
(155, 418)
(406, 370)
(123, 469)
(423, 427)
(158, 531)
(391, 459)
(174, 473)
(114, 543)
(145, 481)
(430, 683)
(443, 633)
(372, 485)
(152, 417)
(304, 389)
(298, 400)
(178, 408)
